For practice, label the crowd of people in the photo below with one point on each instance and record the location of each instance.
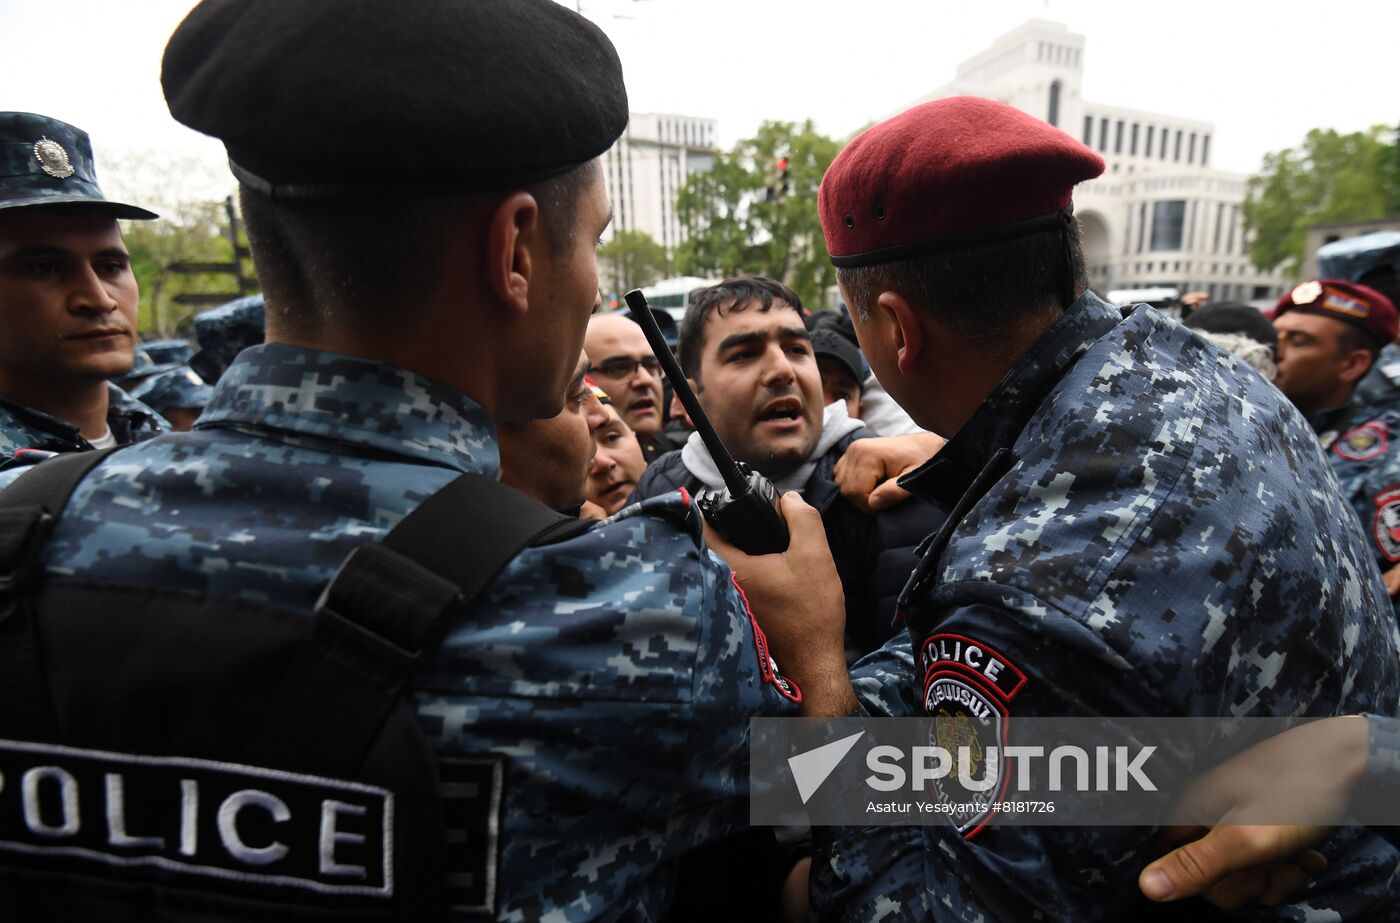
(384, 596)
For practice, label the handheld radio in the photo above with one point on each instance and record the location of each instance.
(745, 510)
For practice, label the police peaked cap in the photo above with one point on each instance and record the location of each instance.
(953, 173)
(343, 98)
(45, 162)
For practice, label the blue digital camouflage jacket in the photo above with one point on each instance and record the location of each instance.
(1141, 526)
(24, 427)
(1360, 441)
(615, 671)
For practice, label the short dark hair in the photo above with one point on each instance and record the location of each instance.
(1351, 338)
(726, 296)
(357, 257)
(982, 293)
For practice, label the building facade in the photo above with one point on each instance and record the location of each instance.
(1160, 216)
(647, 166)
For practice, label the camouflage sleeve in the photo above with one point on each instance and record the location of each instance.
(615, 674)
(1367, 466)
(997, 871)
(884, 681)
(1383, 765)
(1032, 663)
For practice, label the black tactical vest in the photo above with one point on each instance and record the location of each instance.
(166, 755)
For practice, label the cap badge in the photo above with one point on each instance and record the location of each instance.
(1307, 293)
(53, 159)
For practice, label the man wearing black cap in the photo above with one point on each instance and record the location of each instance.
(1134, 522)
(422, 194)
(67, 297)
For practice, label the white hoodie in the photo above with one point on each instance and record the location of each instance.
(836, 425)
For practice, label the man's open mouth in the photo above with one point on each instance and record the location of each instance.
(787, 408)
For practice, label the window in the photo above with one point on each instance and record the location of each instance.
(1167, 221)
(1142, 228)
(1205, 150)
(1132, 145)
(1147, 148)
(1088, 129)
(1118, 137)
(1176, 155)
(1191, 149)
(1163, 154)
(1054, 118)
(1103, 135)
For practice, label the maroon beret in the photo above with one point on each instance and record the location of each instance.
(952, 173)
(1358, 305)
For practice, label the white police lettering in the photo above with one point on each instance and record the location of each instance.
(948, 648)
(228, 826)
(331, 835)
(157, 815)
(115, 787)
(189, 816)
(68, 801)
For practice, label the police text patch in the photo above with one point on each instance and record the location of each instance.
(968, 687)
(197, 817)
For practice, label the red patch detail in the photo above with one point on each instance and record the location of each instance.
(685, 498)
(974, 676)
(767, 666)
(1367, 441)
(1386, 525)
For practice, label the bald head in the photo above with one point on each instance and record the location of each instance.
(624, 366)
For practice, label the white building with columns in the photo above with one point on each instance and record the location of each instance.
(1160, 216)
(647, 167)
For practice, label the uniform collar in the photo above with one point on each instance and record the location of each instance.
(353, 402)
(126, 416)
(1331, 421)
(998, 422)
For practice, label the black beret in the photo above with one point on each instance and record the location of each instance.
(339, 98)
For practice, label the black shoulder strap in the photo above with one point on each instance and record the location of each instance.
(383, 611)
(28, 509)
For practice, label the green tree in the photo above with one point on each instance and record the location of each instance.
(187, 194)
(1330, 178)
(743, 216)
(632, 259)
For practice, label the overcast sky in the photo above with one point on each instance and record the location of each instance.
(1263, 72)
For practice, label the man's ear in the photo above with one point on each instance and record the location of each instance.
(512, 240)
(1358, 363)
(905, 327)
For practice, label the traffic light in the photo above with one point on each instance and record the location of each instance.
(780, 185)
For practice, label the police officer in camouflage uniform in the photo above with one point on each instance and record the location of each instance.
(67, 296)
(224, 332)
(178, 395)
(429, 271)
(1139, 523)
(1372, 260)
(1331, 333)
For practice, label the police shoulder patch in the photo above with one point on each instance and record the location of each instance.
(1386, 526)
(968, 689)
(1365, 442)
